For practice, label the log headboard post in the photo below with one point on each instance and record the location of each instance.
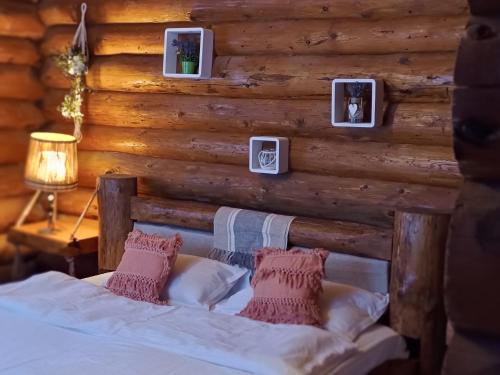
(417, 307)
(114, 195)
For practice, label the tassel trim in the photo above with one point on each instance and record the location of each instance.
(136, 287)
(245, 260)
(283, 310)
(152, 242)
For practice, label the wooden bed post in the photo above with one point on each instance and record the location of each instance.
(114, 194)
(417, 306)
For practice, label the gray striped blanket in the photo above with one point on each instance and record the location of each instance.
(239, 234)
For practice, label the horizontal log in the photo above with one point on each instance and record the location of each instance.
(20, 20)
(13, 146)
(12, 208)
(344, 36)
(409, 77)
(432, 165)
(20, 114)
(480, 45)
(153, 11)
(412, 123)
(19, 82)
(73, 203)
(12, 180)
(359, 200)
(18, 51)
(344, 237)
(67, 12)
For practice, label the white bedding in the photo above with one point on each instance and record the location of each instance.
(54, 324)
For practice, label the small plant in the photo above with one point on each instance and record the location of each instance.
(357, 89)
(74, 66)
(188, 50)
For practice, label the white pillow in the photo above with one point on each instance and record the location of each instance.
(346, 309)
(196, 281)
(200, 282)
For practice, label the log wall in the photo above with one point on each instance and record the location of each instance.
(20, 91)
(272, 73)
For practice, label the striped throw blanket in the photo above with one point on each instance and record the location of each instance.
(238, 234)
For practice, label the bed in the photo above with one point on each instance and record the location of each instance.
(49, 326)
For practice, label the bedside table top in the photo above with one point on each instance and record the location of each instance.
(59, 241)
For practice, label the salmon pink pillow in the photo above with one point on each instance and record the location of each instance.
(145, 266)
(287, 286)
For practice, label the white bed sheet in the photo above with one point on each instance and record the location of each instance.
(376, 345)
(44, 329)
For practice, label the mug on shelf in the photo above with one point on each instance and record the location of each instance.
(267, 159)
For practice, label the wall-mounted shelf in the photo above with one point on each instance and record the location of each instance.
(171, 63)
(279, 144)
(375, 100)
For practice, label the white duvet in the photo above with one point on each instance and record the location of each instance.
(64, 303)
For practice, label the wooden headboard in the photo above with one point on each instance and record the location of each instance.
(414, 247)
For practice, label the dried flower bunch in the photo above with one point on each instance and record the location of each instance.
(357, 89)
(74, 66)
(188, 49)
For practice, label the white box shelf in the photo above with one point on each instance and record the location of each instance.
(279, 144)
(171, 66)
(376, 102)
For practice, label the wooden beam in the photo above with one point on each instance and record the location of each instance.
(20, 114)
(73, 203)
(350, 238)
(297, 37)
(408, 77)
(477, 132)
(11, 209)
(13, 146)
(12, 180)
(19, 82)
(473, 258)
(359, 200)
(428, 165)
(417, 306)
(155, 11)
(20, 20)
(480, 44)
(409, 123)
(18, 51)
(114, 196)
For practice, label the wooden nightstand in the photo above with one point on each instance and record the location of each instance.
(59, 242)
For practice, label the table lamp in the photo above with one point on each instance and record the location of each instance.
(51, 167)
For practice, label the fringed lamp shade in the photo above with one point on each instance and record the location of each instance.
(52, 162)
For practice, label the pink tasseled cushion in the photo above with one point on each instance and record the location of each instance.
(287, 286)
(145, 266)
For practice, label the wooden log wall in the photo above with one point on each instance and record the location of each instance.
(20, 89)
(274, 62)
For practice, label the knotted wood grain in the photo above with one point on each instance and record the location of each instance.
(303, 37)
(429, 165)
(153, 11)
(352, 199)
(411, 77)
(409, 123)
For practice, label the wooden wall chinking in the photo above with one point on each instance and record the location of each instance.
(271, 76)
(20, 88)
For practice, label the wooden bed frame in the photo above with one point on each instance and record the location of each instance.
(414, 247)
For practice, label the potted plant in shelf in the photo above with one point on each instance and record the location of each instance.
(188, 51)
